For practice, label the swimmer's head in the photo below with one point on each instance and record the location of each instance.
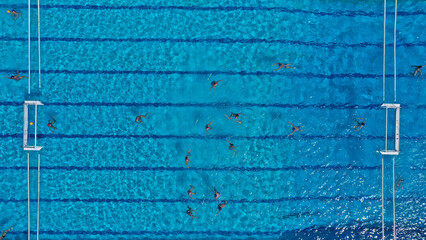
(8, 11)
(31, 123)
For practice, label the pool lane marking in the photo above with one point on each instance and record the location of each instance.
(215, 137)
(236, 73)
(205, 200)
(341, 13)
(211, 104)
(233, 168)
(218, 105)
(362, 231)
(215, 40)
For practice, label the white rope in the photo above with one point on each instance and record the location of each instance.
(383, 199)
(38, 196)
(29, 207)
(394, 51)
(393, 193)
(384, 52)
(39, 58)
(386, 134)
(35, 127)
(29, 47)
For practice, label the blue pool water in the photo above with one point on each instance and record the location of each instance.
(105, 177)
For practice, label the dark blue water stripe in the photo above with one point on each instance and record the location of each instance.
(219, 105)
(365, 231)
(345, 13)
(221, 169)
(239, 73)
(205, 200)
(14, 104)
(276, 137)
(217, 40)
(213, 104)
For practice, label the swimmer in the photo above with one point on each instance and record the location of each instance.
(50, 124)
(14, 14)
(232, 146)
(188, 154)
(208, 126)
(189, 212)
(235, 115)
(214, 84)
(418, 70)
(190, 192)
(222, 205)
(216, 193)
(5, 232)
(283, 65)
(16, 77)
(359, 124)
(296, 129)
(139, 118)
(400, 182)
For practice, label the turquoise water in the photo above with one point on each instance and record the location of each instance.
(105, 177)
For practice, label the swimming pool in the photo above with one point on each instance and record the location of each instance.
(103, 176)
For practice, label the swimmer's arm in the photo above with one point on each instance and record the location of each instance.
(228, 117)
(8, 77)
(291, 133)
(291, 124)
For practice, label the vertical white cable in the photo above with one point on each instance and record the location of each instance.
(29, 47)
(384, 53)
(386, 134)
(394, 52)
(28, 181)
(35, 127)
(39, 58)
(393, 193)
(38, 196)
(383, 199)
